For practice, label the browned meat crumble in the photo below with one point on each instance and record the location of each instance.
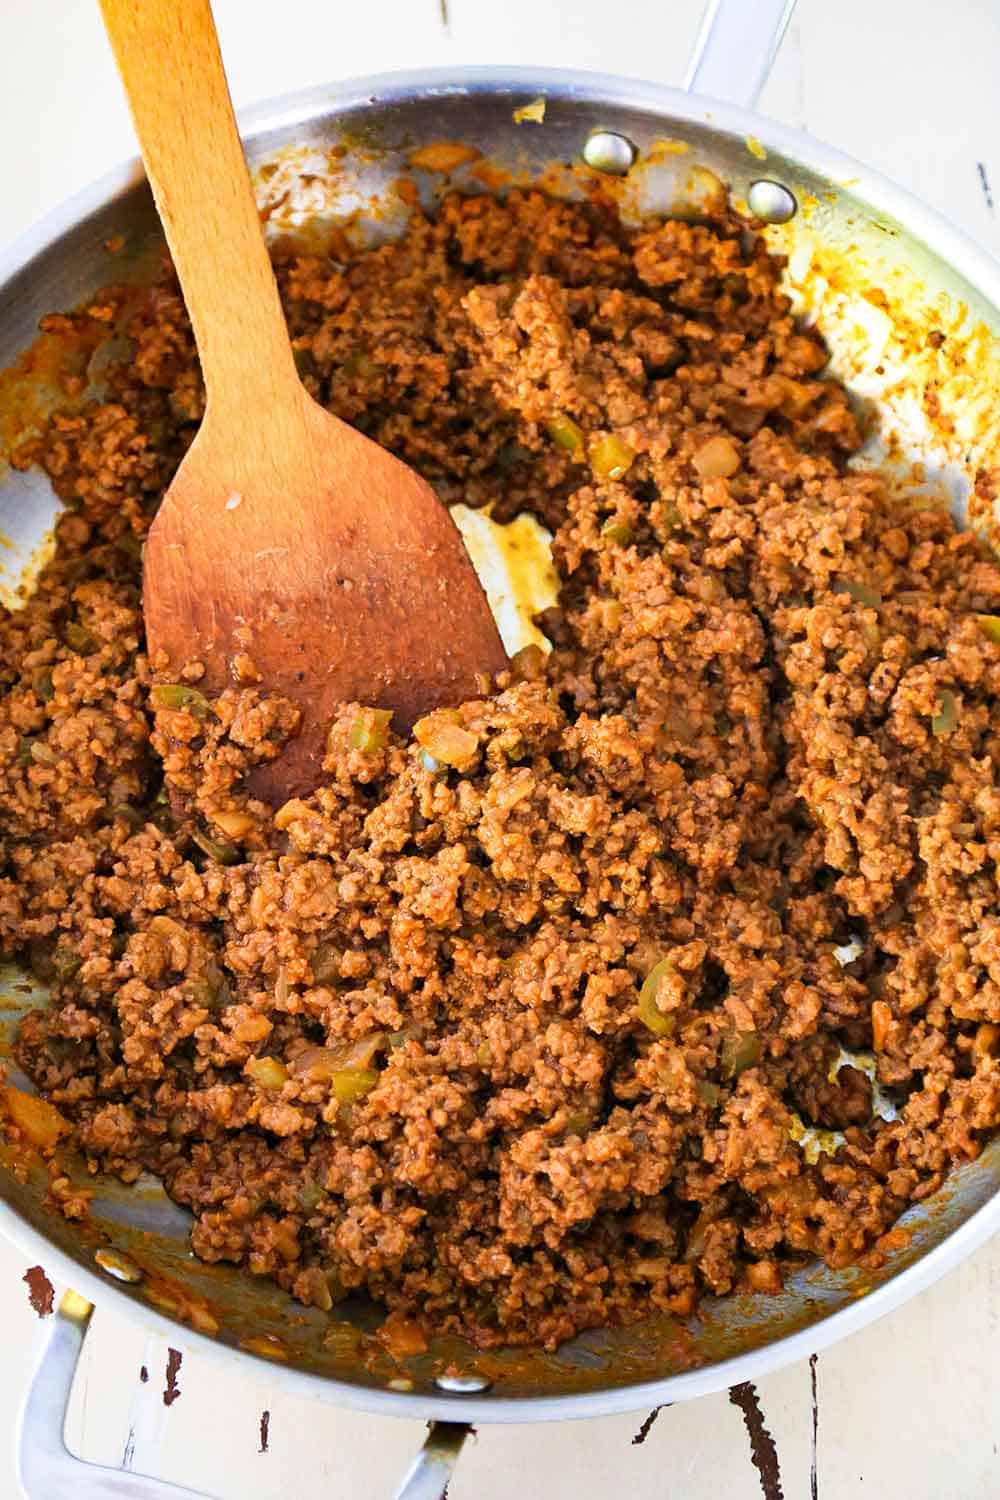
(514, 1024)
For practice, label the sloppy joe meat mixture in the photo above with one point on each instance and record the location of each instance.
(531, 1021)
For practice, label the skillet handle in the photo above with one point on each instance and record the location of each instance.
(46, 1468)
(428, 1475)
(48, 1471)
(736, 47)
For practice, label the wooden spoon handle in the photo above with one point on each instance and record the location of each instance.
(168, 56)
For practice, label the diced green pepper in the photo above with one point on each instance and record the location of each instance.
(220, 850)
(177, 695)
(65, 963)
(565, 433)
(990, 626)
(311, 1195)
(130, 545)
(358, 363)
(79, 639)
(618, 532)
(325, 964)
(946, 717)
(351, 1084)
(267, 1071)
(659, 1022)
(861, 593)
(370, 731)
(740, 1050)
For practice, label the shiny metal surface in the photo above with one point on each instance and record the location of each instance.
(46, 1468)
(428, 1477)
(607, 152)
(771, 201)
(736, 47)
(378, 122)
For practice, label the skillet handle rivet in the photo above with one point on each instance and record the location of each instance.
(771, 202)
(462, 1385)
(607, 151)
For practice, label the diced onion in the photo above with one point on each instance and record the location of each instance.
(533, 113)
(847, 952)
(38, 1120)
(233, 824)
(719, 458)
(444, 739)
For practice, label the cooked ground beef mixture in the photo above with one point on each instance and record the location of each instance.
(526, 1023)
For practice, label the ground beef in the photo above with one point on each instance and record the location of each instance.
(518, 1024)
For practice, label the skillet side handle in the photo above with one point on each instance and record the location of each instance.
(46, 1468)
(736, 47)
(432, 1468)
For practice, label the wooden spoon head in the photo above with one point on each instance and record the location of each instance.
(333, 567)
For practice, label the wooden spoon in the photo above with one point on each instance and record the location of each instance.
(286, 536)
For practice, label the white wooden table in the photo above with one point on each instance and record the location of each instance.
(907, 1407)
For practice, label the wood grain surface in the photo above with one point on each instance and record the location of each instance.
(286, 539)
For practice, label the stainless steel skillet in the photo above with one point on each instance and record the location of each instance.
(881, 273)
